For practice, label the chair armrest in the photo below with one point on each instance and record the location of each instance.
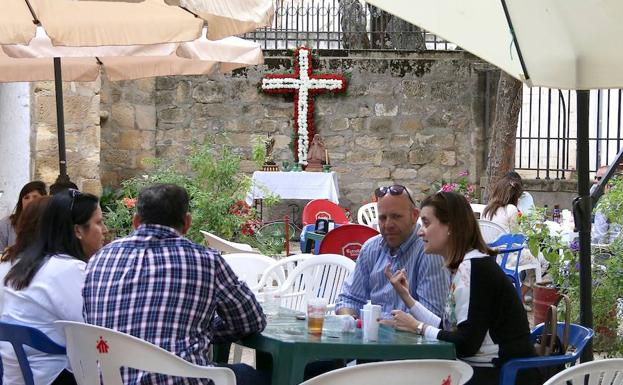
(508, 373)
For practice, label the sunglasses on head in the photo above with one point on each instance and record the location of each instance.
(73, 193)
(396, 189)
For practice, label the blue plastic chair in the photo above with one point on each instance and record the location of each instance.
(20, 335)
(507, 244)
(578, 338)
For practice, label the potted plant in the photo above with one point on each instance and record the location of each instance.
(214, 182)
(461, 185)
(542, 242)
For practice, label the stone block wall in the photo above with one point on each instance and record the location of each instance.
(128, 115)
(406, 118)
(82, 133)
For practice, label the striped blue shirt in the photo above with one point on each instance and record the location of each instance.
(429, 280)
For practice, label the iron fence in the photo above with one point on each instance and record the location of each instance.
(342, 25)
(547, 131)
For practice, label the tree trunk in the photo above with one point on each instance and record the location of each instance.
(353, 23)
(501, 157)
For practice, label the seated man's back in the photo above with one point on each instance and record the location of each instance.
(161, 287)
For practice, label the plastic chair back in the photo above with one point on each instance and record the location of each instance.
(18, 336)
(404, 372)
(368, 215)
(346, 240)
(478, 208)
(490, 231)
(225, 246)
(323, 208)
(95, 351)
(602, 372)
(578, 338)
(318, 276)
(249, 267)
(506, 245)
(276, 274)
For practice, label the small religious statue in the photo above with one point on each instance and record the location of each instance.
(269, 162)
(317, 154)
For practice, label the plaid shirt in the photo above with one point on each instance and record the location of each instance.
(162, 288)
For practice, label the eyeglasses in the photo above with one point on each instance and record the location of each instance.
(73, 193)
(396, 189)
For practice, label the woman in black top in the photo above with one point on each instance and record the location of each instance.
(483, 316)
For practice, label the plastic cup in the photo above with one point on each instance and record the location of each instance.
(272, 301)
(316, 311)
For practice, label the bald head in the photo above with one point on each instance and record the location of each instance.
(397, 216)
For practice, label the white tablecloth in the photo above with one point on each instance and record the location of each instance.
(295, 185)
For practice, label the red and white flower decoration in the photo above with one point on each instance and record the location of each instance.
(304, 85)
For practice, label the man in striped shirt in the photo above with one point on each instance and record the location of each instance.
(159, 286)
(399, 247)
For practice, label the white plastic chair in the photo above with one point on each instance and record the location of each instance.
(276, 274)
(404, 372)
(94, 350)
(368, 215)
(478, 208)
(249, 267)
(319, 276)
(490, 230)
(225, 246)
(601, 372)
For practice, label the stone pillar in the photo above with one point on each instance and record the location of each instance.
(14, 143)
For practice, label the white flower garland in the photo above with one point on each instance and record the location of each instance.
(303, 84)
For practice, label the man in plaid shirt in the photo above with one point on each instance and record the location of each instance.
(159, 286)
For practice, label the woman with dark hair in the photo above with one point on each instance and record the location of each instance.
(28, 193)
(44, 284)
(502, 206)
(27, 237)
(483, 316)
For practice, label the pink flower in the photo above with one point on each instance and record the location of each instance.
(447, 187)
(464, 173)
(470, 188)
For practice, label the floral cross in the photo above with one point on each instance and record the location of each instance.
(304, 85)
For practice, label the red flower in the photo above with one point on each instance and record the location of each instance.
(129, 202)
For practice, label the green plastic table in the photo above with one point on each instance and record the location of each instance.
(286, 347)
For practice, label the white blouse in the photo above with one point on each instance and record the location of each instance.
(55, 293)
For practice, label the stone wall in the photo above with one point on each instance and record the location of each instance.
(82, 133)
(406, 118)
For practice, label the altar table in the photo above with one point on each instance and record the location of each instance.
(295, 185)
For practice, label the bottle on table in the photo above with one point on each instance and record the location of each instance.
(556, 214)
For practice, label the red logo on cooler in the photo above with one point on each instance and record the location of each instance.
(351, 250)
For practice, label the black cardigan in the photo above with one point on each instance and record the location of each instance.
(494, 307)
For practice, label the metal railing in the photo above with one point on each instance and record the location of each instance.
(342, 25)
(547, 131)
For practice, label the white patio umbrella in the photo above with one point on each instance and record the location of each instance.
(231, 17)
(126, 29)
(95, 23)
(569, 44)
(39, 61)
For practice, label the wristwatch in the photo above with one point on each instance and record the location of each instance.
(420, 328)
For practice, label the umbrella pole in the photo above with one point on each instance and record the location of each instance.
(60, 122)
(582, 212)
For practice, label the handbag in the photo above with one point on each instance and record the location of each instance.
(549, 343)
